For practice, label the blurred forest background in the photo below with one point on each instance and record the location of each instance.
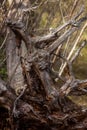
(46, 17)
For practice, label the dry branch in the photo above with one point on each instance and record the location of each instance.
(39, 104)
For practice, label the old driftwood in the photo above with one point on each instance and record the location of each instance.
(37, 103)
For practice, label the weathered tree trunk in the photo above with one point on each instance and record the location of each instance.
(31, 100)
(14, 68)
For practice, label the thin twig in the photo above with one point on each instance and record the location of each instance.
(15, 112)
(78, 51)
(4, 41)
(71, 52)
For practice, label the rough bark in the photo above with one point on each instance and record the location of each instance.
(31, 99)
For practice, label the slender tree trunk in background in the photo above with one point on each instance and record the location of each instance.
(31, 100)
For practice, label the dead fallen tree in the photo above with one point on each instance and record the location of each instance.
(31, 99)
